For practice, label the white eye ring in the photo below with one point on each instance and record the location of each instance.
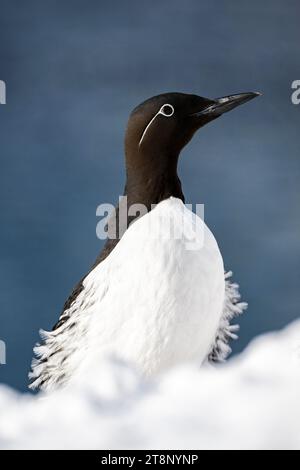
(163, 112)
(170, 110)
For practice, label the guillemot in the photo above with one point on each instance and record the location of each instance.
(150, 300)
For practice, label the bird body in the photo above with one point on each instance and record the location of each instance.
(155, 302)
(157, 295)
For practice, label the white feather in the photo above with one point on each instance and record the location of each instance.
(152, 302)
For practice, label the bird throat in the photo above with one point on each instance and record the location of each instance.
(146, 186)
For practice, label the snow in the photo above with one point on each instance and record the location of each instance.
(252, 402)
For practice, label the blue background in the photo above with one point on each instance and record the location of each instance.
(74, 70)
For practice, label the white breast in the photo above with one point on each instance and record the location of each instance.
(156, 301)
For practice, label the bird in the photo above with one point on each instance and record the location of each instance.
(158, 295)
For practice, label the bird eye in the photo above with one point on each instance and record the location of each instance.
(167, 110)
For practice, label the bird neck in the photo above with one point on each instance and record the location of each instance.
(152, 179)
(149, 191)
(146, 184)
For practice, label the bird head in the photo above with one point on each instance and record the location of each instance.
(165, 123)
(161, 126)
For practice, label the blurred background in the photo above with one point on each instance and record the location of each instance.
(74, 70)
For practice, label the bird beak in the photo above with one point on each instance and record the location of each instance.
(225, 104)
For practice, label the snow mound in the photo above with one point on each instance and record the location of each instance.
(252, 402)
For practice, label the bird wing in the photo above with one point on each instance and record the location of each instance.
(226, 332)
